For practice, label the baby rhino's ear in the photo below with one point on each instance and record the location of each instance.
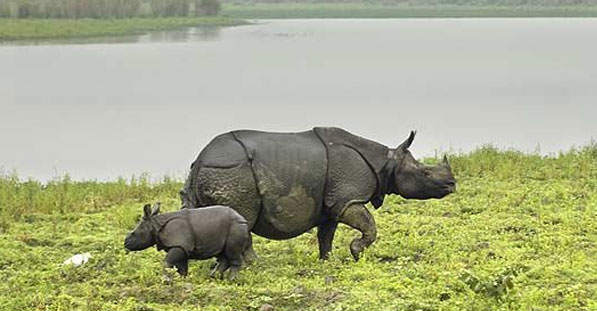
(156, 209)
(147, 211)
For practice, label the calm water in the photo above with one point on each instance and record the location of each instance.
(120, 106)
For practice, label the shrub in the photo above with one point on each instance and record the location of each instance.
(5, 8)
(170, 7)
(207, 7)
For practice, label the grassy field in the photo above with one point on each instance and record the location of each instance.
(29, 29)
(519, 234)
(362, 10)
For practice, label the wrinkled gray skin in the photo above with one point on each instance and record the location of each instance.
(214, 231)
(287, 183)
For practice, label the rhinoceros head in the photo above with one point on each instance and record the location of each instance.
(415, 180)
(144, 234)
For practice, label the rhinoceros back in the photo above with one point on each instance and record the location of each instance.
(275, 180)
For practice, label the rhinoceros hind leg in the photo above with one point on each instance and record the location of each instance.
(233, 272)
(249, 255)
(236, 243)
(358, 217)
(325, 236)
(221, 266)
(213, 269)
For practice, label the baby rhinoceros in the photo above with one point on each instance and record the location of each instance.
(214, 231)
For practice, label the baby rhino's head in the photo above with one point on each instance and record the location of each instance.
(144, 234)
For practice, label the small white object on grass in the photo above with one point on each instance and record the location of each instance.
(78, 259)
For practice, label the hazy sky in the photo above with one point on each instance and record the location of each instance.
(106, 110)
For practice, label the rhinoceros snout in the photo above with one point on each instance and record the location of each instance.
(128, 244)
(451, 186)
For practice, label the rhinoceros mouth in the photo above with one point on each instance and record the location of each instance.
(449, 186)
(446, 190)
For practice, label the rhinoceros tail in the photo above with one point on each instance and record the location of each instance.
(188, 193)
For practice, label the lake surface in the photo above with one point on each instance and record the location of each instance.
(99, 109)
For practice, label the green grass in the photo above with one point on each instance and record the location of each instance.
(361, 10)
(519, 234)
(32, 29)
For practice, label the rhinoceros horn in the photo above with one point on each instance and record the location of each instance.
(406, 144)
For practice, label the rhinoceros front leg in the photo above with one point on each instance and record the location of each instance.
(358, 217)
(177, 257)
(325, 236)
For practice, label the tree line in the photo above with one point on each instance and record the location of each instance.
(167, 8)
(107, 8)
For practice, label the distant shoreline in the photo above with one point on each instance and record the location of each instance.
(12, 29)
(362, 10)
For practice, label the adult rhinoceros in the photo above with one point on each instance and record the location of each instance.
(287, 183)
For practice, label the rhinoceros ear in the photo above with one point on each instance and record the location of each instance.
(156, 209)
(445, 161)
(406, 144)
(147, 211)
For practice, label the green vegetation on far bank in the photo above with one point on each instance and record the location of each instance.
(236, 14)
(519, 234)
(32, 29)
(107, 8)
(373, 10)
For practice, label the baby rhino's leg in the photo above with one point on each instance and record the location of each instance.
(221, 265)
(177, 257)
(249, 255)
(236, 244)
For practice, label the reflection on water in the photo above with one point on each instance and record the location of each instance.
(179, 35)
(60, 41)
(149, 105)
